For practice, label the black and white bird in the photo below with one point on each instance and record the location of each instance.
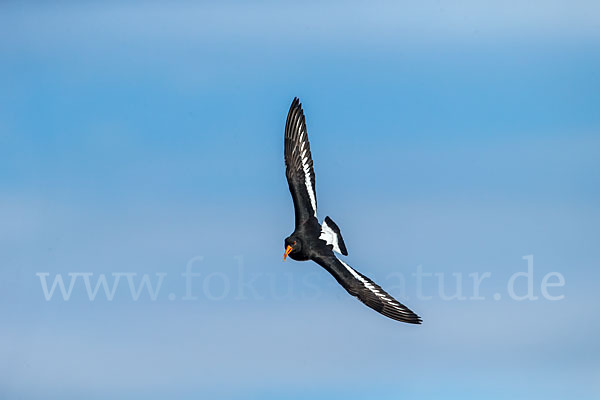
(317, 242)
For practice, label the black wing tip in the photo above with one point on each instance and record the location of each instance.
(296, 103)
(407, 316)
(296, 107)
(416, 321)
(294, 113)
(408, 320)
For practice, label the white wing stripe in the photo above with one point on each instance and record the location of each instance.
(305, 168)
(307, 182)
(370, 286)
(311, 192)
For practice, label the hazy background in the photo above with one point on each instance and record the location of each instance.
(455, 136)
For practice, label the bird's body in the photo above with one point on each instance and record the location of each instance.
(317, 242)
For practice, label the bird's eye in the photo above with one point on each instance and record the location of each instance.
(294, 242)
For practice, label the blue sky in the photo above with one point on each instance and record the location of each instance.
(458, 137)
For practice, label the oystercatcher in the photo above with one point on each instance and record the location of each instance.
(317, 242)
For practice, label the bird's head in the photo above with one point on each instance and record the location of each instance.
(292, 245)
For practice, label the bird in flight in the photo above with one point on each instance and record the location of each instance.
(317, 242)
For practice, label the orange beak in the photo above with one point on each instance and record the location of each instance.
(288, 250)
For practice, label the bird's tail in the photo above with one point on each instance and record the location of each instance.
(330, 232)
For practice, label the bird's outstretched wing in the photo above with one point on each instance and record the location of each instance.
(299, 164)
(366, 290)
